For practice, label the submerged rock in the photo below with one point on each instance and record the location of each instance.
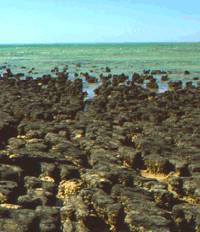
(186, 72)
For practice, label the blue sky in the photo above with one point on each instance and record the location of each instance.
(64, 21)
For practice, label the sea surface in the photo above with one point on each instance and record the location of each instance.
(121, 58)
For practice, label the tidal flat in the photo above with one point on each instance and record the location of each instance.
(124, 159)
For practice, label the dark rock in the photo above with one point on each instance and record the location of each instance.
(49, 219)
(131, 157)
(137, 78)
(12, 173)
(173, 86)
(186, 72)
(157, 72)
(8, 191)
(108, 69)
(164, 78)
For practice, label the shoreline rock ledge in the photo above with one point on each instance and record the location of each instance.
(129, 163)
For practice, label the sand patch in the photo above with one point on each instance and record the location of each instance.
(2, 198)
(68, 188)
(10, 206)
(47, 179)
(158, 176)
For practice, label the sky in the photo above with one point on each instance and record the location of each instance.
(104, 21)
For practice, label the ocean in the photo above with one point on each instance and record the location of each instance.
(93, 58)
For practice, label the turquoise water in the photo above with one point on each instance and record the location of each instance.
(175, 57)
(93, 58)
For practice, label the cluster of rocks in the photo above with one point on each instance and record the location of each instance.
(130, 162)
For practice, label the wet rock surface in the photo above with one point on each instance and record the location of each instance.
(130, 162)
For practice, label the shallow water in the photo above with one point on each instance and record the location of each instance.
(93, 58)
(128, 57)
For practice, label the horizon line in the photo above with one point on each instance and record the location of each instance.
(90, 43)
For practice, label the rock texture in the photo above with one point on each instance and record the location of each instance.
(129, 163)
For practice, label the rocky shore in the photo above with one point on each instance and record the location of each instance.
(127, 160)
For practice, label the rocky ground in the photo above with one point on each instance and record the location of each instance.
(127, 161)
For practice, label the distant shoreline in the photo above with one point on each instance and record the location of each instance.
(92, 43)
